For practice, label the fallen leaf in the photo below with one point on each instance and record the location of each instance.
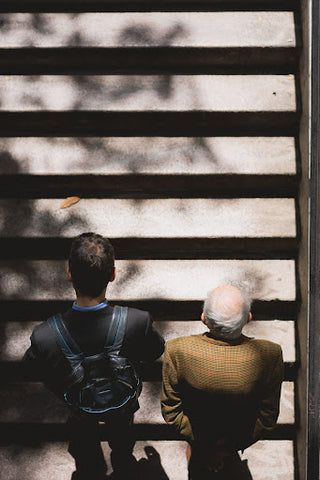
(69, 201)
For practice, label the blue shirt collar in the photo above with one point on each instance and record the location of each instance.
(89, 309)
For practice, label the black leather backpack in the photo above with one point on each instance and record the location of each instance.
(103, 384)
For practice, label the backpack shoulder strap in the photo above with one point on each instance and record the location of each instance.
(67, 344)
(117, 330)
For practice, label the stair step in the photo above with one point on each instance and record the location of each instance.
(31, 403)
(148, 29)
(15, 336)
(150, 411)
(165, 218)
(177, 93)
(268, 460)
(271, 460)
(154, 279)
(148, 155)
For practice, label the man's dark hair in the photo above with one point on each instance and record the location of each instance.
(91, 263)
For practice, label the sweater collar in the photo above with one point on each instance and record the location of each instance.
(89, 309)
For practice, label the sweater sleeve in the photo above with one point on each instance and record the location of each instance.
(171, 402)
(270, 400)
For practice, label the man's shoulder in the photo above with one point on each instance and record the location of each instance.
(42, 337)
(43, 333)
(41, 330)
(266, 347)
(137, 313)
(137, 319)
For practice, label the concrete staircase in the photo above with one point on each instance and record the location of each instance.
(176, 123)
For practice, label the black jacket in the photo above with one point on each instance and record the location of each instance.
(45, 360)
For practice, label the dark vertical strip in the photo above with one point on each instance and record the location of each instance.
(314, 325)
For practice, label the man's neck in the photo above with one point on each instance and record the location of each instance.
(234, 341)
(83, 301)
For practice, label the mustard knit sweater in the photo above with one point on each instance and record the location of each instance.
(214, 389)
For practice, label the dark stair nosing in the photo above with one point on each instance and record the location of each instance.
(135, 185)
(33, 433)
(161, 310)
(148, 60)
(147, 123)
(157, 248)
(73, 6)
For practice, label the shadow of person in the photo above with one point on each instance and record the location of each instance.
(147, 468)
(234, 468)
(151, 467)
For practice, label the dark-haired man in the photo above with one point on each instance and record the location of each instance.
(90, 269)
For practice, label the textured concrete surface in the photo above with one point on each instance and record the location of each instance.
(48, 461)
(154, 279)
(267, 460)
(151, 155)
(271, 460)
(148, 92)
(149, 29)
(14, 336)
(181, 218)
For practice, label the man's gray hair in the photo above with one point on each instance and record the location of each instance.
(223, 324)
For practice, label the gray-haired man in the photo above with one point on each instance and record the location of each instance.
(221, 389)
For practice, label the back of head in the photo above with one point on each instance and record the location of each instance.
(226, 311)
(91, 263)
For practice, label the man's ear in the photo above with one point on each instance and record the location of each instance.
(249, 317)
(203, 318)
(113, 275)
(69, 277)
